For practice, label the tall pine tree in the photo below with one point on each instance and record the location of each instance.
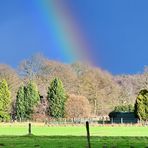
(31, 98)
(5, 100)
(27, 98)
(56, 98)
(20, 104)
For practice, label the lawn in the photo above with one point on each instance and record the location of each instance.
(42, 130)
(12, 135)
(71, 142)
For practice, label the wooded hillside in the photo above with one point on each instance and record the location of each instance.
(103, 90)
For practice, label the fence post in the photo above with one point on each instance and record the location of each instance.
(29, 129)
(121, 120)
(88, 134)
(112, 120)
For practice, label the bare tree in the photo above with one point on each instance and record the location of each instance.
(32, 67)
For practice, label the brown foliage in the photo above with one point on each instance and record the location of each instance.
(77, 107)
(12, 78)
(103, 90)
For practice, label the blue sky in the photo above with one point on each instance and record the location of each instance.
(117, 32)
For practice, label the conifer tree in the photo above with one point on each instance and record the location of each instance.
(20, 104)
(56, 98)
(5, 100)
(27, 98)
(31, 98)
(141, 105)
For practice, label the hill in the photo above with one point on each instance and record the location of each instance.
(103, 90)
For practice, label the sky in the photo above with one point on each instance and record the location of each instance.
(110, 34)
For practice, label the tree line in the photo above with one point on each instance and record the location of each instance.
(99, 90)
(28, 98)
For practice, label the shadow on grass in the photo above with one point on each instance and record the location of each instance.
(32, 141)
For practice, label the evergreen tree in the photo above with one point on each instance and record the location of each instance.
(31, 98)
(27, 98)
(141, 105)
(56, 98)
(20, 103)
(5, 100)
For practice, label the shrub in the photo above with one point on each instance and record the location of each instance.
(124, 108)
(77, 107)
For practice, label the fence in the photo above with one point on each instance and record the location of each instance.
(59, 121)
(86, 138)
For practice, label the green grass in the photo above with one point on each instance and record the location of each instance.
(74, 130)
(71, 142)
(12, 136)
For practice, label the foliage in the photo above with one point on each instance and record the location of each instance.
(20, 103)
(124, 108)
(5, 100)
(27, 98)
(77, 107)
(31, 98)
(98, 86)
(12, 78)
(141, 105)
(57, 98)
(103, 90)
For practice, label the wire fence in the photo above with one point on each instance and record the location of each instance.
(64, 129)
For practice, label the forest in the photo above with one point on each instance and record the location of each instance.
(90, 91)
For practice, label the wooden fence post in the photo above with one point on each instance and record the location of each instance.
(29, 129)
(88, 134)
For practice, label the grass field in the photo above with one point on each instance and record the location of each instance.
(72, 142)
(12, 135)
(41, 130)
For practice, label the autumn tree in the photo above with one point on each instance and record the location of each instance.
(141, 105)
(5, 100)
(57, 98)
(77, 107)
(12, 78)
(98, 87)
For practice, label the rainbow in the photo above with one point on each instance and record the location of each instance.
(65, 30)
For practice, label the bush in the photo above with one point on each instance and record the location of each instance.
(4, 117)
(124, 108)
(77, 107)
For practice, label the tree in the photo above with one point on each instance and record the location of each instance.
(56, 98)
(31, 97)
(77, 107)
(33, 67)
(20, 103)
(98, 87)
(141, 105)
(5, 100)
(26, 100)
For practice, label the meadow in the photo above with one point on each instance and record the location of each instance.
(43, 136)
(72, 130)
